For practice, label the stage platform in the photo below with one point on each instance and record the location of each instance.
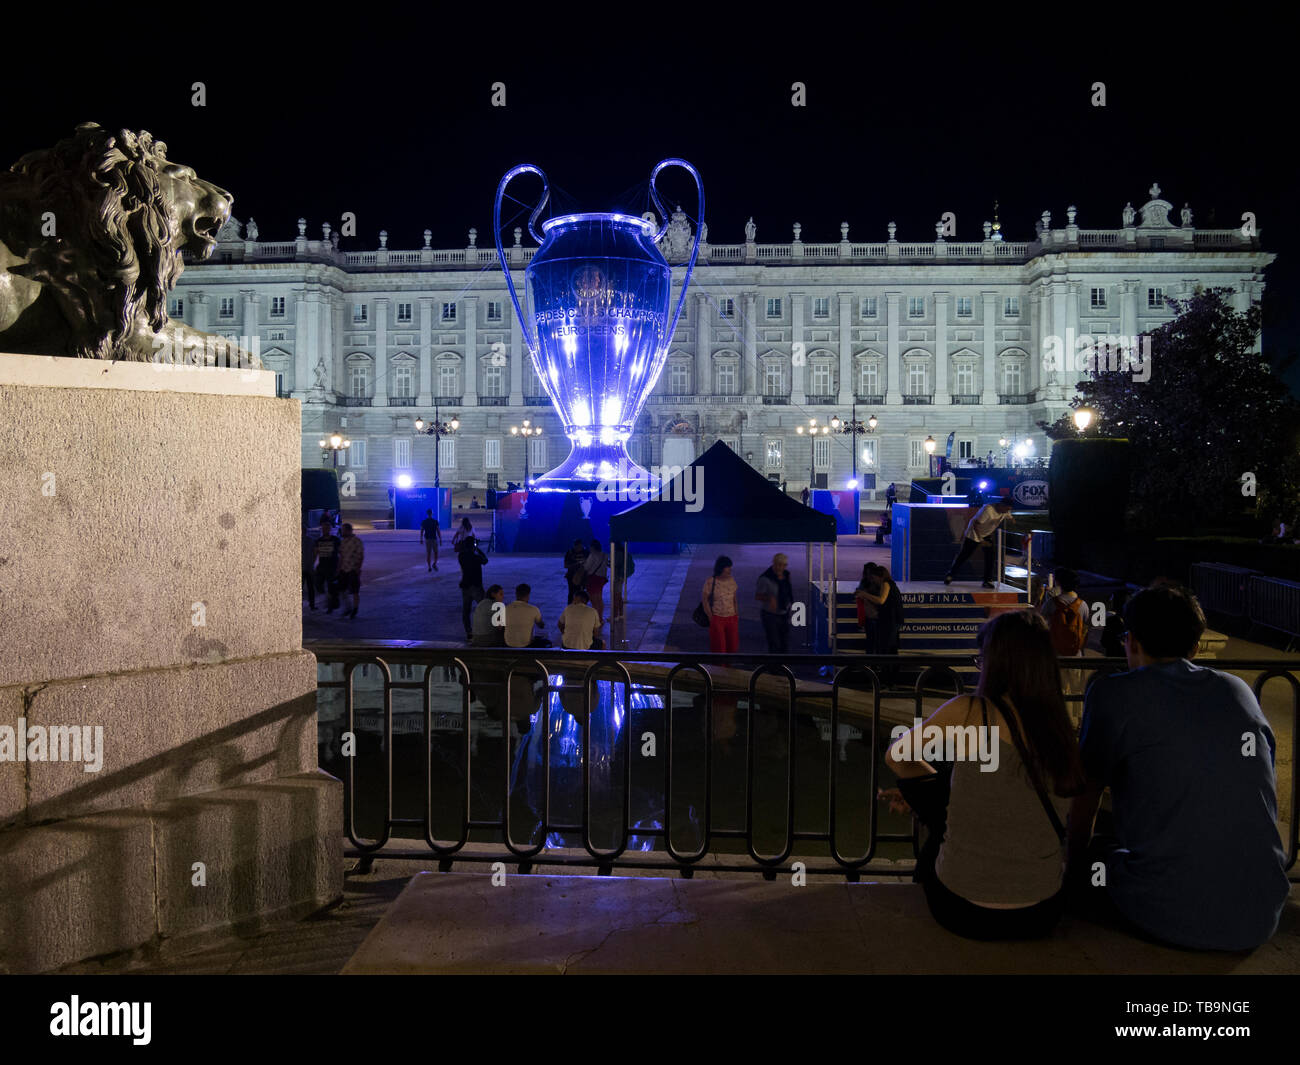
(939, 619)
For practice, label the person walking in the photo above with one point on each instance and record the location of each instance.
(1067, 620)
(979, 533)
(593, 569)
(352, 553)
(775, 595)
(868, 611)
(431, 535)
(891, 496)
(622, 569)
(465, 532)
(573, 572)
(472, 561)
(718, 597)
(309, 561)
(327, 561)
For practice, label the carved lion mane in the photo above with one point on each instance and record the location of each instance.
(91, 233)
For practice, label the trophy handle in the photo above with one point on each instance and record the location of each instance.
(523, 168)
(695, 248)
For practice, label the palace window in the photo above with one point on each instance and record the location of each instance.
(916, 306)
(679, 378)
(868, 455)
(1098, 297)
(401, 453)
(1011, 378)
(493, 380)
(868, 306)
(774, 379)
(917, 458)
(1155, 298)
(403, 312)
(492, 454)
(1011, 307)
(447, 453)
(357, 452)
(360, 376)
(822, 452)
(773, 454)
(774, 307)
(227, 307)
(964, 379)
(963, 307)
(447, 380)
(726, 376)
(403, 378)
(494, 311)
(360, 312)
(448, 312)
(821, 378)
(918, 375)
(821, 307)
(726, 308)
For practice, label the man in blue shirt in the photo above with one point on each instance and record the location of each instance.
(1196, 859)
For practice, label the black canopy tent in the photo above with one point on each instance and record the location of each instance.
(721, 499)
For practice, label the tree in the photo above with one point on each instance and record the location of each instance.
(1211, 413)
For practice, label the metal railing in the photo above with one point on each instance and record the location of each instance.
(600, 695)
(1275, 604)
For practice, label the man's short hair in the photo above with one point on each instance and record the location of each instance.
(347, 527)
(1066, 579)
(493, 589)
(523, 591)
(579, 594)
(1166, 620)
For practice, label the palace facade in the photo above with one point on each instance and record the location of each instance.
(932, 339)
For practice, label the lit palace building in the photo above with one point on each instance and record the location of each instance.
(931, 339)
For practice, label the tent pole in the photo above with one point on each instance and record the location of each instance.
(835, 591)
(808, 570)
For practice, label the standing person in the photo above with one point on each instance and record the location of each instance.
(352, 553)
(484, 632)
(868, 611)
(593, 569)
(573, 572)
(992, 864)
(804, 496)
(465, 532)
(1189, 759)
(1067, 621)
(431, 535)
(522, 619)
(327, 560)
(1112, 636)
(578, 624)
(623, 568)
(979, 533)
(775, 593)
(891, 495)
(472, 561)
(719, 599)
(308, 561)
(889, 617)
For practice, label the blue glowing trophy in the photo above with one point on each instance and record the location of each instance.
(600, 293)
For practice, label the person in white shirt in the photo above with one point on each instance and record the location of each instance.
(980, 533)
(521, 619)
(578, 624)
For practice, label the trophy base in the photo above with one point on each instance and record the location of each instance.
(601, 468)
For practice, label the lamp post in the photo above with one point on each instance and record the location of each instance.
(1082, 419)
(813, 430)
(437, 429)
(334, 443)
(929, 446)
(526, 430)
(856, 429)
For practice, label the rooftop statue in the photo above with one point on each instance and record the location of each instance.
(91, 234)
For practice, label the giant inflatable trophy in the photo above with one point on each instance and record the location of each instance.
(599, 293)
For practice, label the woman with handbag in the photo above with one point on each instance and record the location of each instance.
(993, 863)
(718, 601)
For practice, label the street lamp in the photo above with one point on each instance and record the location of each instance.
(855, 428)
(526, 430)
(334, 443)
(1083, 418)
(437, 429)
(813, 430)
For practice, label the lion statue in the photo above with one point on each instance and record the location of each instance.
(91, 234)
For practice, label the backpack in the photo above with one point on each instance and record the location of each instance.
(1069, 628)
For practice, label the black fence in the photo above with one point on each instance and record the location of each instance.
(647, 761)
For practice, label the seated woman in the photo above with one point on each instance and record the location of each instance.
(993, 863)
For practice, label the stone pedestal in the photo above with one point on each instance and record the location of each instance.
(151, 639)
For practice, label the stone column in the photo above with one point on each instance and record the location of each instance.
(703, 352)
(798, 374)
(200, 313)
(381, 352)
(1034, 371)
(990, 393)
(1128, 307)
(1072, 310)
(518, 353)
(941, 348)
(308, 350)
(425, 397)
(894, 372)
(329, 342)
(1068, 355)
(753, 382)
(470, 395)
(250, 321)
(846, 343)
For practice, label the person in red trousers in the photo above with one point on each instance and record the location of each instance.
(719, 599)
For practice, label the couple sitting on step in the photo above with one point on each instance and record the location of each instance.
(1189, 853)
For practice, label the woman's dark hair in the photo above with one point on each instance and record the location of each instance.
(1020, 666)
(1166, 620)
(464, 523)
(722, 563)
(595, 545)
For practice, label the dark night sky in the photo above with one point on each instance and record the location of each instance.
(386, 113)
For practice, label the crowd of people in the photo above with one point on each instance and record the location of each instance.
(1188, 757)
